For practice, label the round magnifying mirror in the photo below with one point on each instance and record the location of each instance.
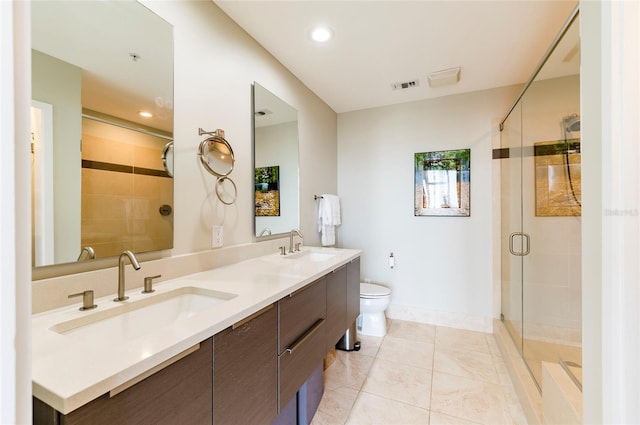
(167, 158)
(216, 156)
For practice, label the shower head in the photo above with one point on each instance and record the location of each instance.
(571, 123)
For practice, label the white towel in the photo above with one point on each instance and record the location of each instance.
(328, 218)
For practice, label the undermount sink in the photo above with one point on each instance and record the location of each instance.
(309, 255)
(133, 319)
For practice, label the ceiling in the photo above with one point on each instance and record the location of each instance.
(100, 37)
(378, 43)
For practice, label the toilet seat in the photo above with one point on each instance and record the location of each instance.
(372, 291)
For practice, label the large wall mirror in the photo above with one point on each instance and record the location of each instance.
(276, 164)
(102, 130)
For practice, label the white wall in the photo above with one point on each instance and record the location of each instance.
(15, 235)
(591, 90)
(443, 267)
(215, 64)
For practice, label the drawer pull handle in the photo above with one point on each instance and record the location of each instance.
(304, 336)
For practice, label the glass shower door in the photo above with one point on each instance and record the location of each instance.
(541, 215)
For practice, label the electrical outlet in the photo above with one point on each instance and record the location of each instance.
(216, 236)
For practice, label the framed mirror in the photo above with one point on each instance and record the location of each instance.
(276, 165)
(102, 130)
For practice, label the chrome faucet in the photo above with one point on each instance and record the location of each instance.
(296, 231)
(121, 260)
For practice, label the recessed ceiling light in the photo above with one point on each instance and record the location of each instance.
(145, 114)
(321, 34)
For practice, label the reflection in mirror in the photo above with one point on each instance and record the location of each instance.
(275, 164)
(167, 158)
(102, 115)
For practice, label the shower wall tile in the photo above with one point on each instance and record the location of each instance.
(148, 156)
(112, 151)
(101, 182)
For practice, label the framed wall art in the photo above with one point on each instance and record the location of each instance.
(442, 183)
(267, 191)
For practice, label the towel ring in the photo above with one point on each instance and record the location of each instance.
(226, 192)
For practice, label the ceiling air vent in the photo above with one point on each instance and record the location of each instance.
(404, 85)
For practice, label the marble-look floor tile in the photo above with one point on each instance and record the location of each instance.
(461, 339)
(370, 409)
(369, 345)
(493, 345)
(335, 406)
(412, 330)
(437, 418)
(403, 383)
(503, 373)
(466, 363)
(469, 399)
(413, 353)
(349, 370)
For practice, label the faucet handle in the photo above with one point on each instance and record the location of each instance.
(87, 299)
(283, 250)
(148, 284)
(298, 246)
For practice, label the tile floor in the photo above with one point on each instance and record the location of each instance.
(420, 374)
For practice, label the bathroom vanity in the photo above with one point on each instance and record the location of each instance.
(229, 345)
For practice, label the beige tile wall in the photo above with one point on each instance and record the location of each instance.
(120, 210)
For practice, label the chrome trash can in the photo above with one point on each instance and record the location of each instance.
(348, 341)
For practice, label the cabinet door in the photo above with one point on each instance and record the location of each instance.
(300, 311)
(178, 394)
(353, 291)
(245, 371)
(336, 306)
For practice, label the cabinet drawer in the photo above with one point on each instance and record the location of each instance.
(245, 374)
(179, 393)
(300, 359)
(300, 311)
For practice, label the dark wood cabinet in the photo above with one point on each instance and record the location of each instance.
(302, 343)
(336, 306)
(178, 393)
(246, 374)
(353, 292)
(245, 364)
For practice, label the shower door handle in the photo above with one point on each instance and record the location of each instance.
(527, 240)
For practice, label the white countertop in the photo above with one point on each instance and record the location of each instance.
(69, 370)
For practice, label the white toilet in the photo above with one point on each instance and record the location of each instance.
(374, 300)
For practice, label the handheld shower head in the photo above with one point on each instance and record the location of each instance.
(571, 123)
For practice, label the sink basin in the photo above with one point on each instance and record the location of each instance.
(133, 319)
(314, 256)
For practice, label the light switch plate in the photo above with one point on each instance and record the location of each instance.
(216, 236)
